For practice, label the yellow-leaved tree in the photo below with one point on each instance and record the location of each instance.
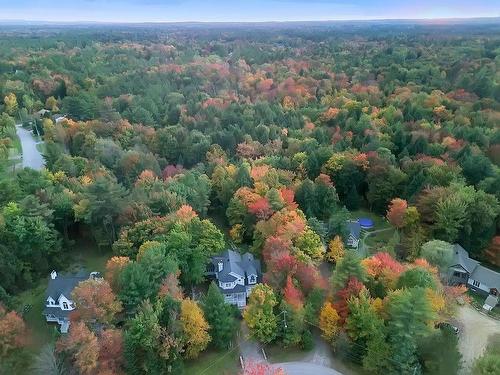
(194, 328)
(335, 250)
(329, 322)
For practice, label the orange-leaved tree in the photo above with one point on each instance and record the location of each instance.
(95, 301)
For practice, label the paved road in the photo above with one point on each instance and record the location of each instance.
(475, 330)
(303, 368)
(317, 362)
(249, 349)
(32, 158)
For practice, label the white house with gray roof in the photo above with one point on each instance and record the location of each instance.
(354, 229)
(467, 271)
(236, 274)
(58, 303)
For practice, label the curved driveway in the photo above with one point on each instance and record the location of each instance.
(32, 158)
(476, 329)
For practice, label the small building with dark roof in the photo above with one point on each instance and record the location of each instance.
(236, 274)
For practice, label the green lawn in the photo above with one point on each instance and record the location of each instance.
(381, 238)
(477, 300)
(278, 354)
(41, 332)
(215, 363)
(85, 253)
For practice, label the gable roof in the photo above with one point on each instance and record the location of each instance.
(461, 257)
(235, 263)
(485, 276)
(354, 229)
(64, 284)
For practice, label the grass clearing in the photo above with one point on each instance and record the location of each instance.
(477, 300)
(380, 238)
(278, 354)
(87, 254)
(41, 332)
(214, 362)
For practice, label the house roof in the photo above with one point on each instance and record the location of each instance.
(235, 263)
(57, 312)
(487, 277)
(491, 301)
(354, 228)
(237, 289)
(461, 257)
(64, 284)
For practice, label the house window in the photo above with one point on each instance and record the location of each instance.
(65, 306)
(476, 283)
(252, 279)
(457, 274)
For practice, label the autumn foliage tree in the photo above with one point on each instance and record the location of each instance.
(329, 322)
(259, 315)
(113, 268)
(12, 332)
(194, 328)
(335, 250)
(292, 295)
(82, 345)
(260, 368)
(396, 212)
(95, 301)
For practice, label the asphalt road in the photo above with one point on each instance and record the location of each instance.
(304, 368)
(32, 158)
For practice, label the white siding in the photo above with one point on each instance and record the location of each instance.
(476, 284)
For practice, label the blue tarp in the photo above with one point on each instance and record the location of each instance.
(365, 222)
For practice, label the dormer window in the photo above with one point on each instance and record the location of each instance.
(220, 265)
(252, 279)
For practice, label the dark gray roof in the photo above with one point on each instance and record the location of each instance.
(491, 301)
(237, 289)
(354, 228)
(487, 277)
(461, 257)
(64, 284)
(236, 263)
(57, 312)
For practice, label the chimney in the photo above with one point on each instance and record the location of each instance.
(53, 275)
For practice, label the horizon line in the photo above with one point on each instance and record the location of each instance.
(423, 19)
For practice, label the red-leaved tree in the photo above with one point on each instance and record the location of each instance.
(292, 295)
(396, 212)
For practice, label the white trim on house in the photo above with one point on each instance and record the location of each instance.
(475, 284)
(352, 241)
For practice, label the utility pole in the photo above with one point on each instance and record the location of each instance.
(284, 318)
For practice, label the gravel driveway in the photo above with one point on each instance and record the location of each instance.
(476, 329)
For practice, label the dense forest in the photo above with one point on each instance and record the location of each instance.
(177, 142)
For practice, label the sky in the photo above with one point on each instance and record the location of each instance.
(242, 10)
